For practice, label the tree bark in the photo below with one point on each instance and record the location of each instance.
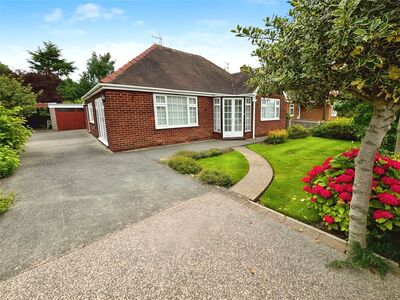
(382, 117)
(397, 149)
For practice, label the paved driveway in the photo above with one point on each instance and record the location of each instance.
(71, 190)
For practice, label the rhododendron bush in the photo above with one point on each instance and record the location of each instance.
(330, 187)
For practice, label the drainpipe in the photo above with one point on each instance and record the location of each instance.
(254, 114)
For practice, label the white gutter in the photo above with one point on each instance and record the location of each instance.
(107, 86)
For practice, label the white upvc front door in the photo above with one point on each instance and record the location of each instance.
(101, 121)
(232, 112)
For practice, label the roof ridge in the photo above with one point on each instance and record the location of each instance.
(133, 61)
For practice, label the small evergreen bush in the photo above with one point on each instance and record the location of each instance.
(9, 161)
(340, 128)
(5, 201)
(186, 153)
(277, 136)
(215, 177)
(298, 132)
(184, 165)
(208, 153)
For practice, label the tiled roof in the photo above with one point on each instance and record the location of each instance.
(162, 67)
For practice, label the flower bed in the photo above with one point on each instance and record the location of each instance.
(330, 187)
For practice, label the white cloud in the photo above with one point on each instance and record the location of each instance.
(91, 11)
(138, 23)
(54, 16)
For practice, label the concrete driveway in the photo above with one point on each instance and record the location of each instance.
(71, 190)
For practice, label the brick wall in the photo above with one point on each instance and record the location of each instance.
(263, 127)
(313, 114)
(130, 122)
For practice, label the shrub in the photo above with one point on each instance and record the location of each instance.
(330, 187)
(184, 165)
(277, 136)
(340, 128)
(216, 177)
(13, 133)
(186, 153)
(298, 132)
(5, 201)
(9, 161)
(208, 153)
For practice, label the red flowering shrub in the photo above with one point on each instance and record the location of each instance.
(331, 186)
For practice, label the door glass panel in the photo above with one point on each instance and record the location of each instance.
(238, 114)
(228, 114)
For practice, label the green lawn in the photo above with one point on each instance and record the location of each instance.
(232, 163)
(291, 161)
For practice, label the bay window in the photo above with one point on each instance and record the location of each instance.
(270, 109)
(174, 111)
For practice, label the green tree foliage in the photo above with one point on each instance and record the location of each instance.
(13, 132)
(15, 95)
(48, 60)
(70, 90)
(4, 69)
(325, 48)
(98, 67)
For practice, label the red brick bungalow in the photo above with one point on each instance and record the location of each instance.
(165, 96)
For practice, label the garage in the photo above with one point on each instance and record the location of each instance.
(67, 116)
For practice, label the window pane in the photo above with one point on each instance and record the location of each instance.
(238, 115)
(161, 115)
(192, 101)
(217, 116)
(247, 120)
(177, 110)
(228, 115)
(192, 115)
(160, 99)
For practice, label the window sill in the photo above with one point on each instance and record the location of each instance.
(91, 122)
(263, 120)
(174, 127)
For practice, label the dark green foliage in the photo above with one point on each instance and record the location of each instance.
(48, 61)
(9, 161)
(387, 246)
(13, 133)
(215, 177)
(298, 132)
(361, 258)
(184, 165)
(276, 136)
(6, 201)
(340, 128)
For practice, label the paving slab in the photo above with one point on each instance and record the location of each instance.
(257, 179)
(211, 247)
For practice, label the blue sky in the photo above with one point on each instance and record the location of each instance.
(125, 28)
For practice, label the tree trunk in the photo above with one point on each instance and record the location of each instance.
(382, 117)
(397, 149)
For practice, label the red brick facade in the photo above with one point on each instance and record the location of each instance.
(322, 113)
(130, 121)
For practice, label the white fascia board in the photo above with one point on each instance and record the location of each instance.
(107, 86)
(61, 105)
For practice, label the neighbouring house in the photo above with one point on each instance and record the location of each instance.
(165, 96)
(300, 114)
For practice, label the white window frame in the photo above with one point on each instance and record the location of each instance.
(90, 113)
(167, 126)
(217, 112)
(291, 109)
(247, 114)
(277, 107)
(333, 113)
